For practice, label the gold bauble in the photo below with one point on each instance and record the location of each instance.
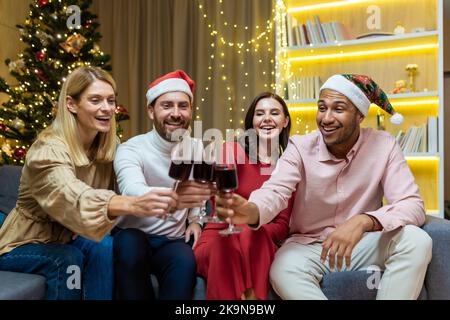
(6, 148)
(21, 108)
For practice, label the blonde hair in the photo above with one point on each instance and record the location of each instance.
(65, 127)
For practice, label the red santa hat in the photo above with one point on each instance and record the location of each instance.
(174, 81)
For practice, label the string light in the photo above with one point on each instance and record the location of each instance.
(220, 43)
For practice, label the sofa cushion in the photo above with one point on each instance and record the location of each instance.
(347, 285)
(21, 286)
(352, 285)
(437, 279)
(9, 188)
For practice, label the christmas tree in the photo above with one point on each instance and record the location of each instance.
(60, 36)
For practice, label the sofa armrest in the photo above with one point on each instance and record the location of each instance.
(437, 280)
(9, 187)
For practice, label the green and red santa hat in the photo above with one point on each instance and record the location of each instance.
(362, 91)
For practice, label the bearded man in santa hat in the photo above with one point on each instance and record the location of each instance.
(158, 245)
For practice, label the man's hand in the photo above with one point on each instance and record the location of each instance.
(193, 194)
(236, 209)
(342, 240)
(195, 229)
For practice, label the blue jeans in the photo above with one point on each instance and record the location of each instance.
(138, 255)
(81, 269)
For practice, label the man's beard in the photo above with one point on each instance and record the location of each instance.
(168, 135)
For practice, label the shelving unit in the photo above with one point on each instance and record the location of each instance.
(384, 58)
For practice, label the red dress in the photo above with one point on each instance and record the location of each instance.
(235, 263)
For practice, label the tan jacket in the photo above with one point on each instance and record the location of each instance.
(57, 199)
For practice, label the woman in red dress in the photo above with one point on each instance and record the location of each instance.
(237, 266)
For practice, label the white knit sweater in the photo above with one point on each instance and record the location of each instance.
(141, 165)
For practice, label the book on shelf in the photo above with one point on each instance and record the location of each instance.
(289, 34)
(432, 132)
(419, 139)
(330, 36)
(313, 31)
(319, 29)
(302, 88)
(297, 39)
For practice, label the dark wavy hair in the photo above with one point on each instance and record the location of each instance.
(283, 138)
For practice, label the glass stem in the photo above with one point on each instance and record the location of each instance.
(174, 188)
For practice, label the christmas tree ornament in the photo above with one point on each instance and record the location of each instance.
(41, 75)
(20, 153)
(6, 148)
(21, 108)
(43, 3)
(74, 44)
(120, 109)
(17, 66)
(121, 113)
(44, 38)
(18, 124)
(87, 24)
(40, 56)
(95, 49)
(3, 127)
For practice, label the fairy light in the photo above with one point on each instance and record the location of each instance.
(282, 65)
(260, 42)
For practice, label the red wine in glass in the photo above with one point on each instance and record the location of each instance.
(226, 181)
(180, 171)
(203, 172)
(226, 178)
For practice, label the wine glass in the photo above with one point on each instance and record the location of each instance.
(204, 173)
(227, 182)
(180, 170)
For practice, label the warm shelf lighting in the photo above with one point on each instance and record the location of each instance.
(303, 108)
(364, 53)
(413, 103)
(325, 5)
(393, 102)
(422, 158)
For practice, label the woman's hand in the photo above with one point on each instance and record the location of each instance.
(193, 229)
(151, 204)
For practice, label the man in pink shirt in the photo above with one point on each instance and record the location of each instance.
(340, 174)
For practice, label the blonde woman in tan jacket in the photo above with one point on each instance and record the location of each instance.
(66, 205)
